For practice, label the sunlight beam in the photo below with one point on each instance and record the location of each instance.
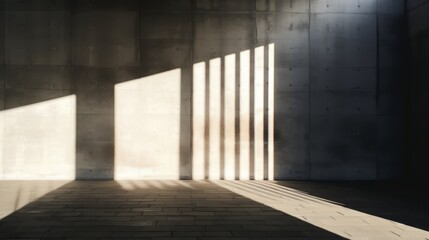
(259, 113)
(328, 215)
(271, 111)
(229, 117)
(244, 114)
(214, 115)
(198, 120)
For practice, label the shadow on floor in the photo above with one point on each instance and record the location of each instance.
(152, 210)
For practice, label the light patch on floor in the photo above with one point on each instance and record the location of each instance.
(325, 214)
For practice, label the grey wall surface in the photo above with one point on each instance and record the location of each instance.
(338, 71)
(418, 33)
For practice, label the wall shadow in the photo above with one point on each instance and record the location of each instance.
(170, 39)
(59, 48)
(86, 48)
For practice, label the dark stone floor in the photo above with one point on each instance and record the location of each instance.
(210, 210)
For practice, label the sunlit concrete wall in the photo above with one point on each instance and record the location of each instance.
(337, 98)
(147, 127)
(38, 107)
(418, 33)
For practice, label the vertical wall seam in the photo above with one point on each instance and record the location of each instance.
(222, 119)
(237, 142)
(252, 98)
(222, 103)
(73, 87)
(191, 95)
(309, 92)
(408, 112)
(138, 33)
(4, 83)
(206, 121)
(377, 88)
(265, 109)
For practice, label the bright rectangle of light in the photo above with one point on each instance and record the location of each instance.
(325, 214)
(244, 114)
(259, 113)
(229, 141)
(214, 118)
(147, 127)
(198, 120)
(271, 111)
(38, 141)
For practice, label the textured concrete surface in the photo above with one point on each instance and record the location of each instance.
(418, 33)
(216, 210)
(338, 98)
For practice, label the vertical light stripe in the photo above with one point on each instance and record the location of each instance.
(198, 120)
(214, 115)
(229, 117)
(271, 111)
(244, 114)
(259, 113)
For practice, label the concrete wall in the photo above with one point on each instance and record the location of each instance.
(418, 33)
(338, 95)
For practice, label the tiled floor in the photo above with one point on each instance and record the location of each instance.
(207, 210)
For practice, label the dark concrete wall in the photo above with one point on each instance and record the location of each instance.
(338, 72)
(418, 33)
